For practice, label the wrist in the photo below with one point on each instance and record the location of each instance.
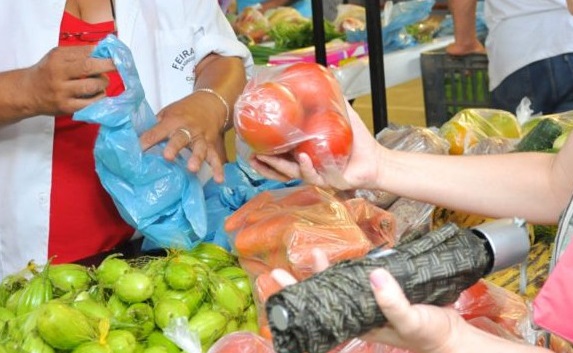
(381, 160)
(16, 99)
(226, 124)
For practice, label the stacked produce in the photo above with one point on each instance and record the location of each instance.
(127, 305)
(284, 26)
(295, 109)
(489, 131)
(480, 128)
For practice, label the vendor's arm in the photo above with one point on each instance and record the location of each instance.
(535, 186)
(203, 114)
(63, 82)
(465, 37)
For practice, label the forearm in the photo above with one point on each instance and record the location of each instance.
(515, 184)
(226, 76)
(14, 102)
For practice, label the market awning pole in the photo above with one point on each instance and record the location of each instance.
(318, 31)
(376, 62)
(375, 55)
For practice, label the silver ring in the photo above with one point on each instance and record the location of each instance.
(187, 134)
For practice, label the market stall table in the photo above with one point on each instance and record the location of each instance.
(399, 66)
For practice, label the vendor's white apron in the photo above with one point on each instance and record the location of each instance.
(167, 39)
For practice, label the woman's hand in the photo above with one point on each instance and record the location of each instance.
(360, 172)
(191, 123)
(66, 80)
(418, 327)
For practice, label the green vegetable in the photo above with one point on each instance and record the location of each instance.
(133, 287)
(109, 271)
(69, 277)
(209, 325)
(541, 137)
(137, 319)
(92, 347)
(262, 53)
(299, 35)
(37, 292)
(157, 339)
(64, 327)
(180, 275)
(213, 255)
(34, 344)
(560, 141)
(168, 309)
(91, 308)
(192, 298)
(226, 295)
(121, 341)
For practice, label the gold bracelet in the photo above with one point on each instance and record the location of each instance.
(227, 117)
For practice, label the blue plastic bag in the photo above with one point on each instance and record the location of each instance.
(161, 199)
(242, 183)
(394, 35)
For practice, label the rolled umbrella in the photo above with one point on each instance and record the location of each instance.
(317, 314)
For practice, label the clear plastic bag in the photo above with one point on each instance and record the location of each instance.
(161, 199)
(296, 108)
(395, 18)
(279, 229)
(403, 138)
(470, 126)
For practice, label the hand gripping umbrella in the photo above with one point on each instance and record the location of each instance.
(332, 306)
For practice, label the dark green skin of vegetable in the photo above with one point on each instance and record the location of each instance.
(541, 137)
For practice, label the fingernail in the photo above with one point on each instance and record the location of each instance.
(378, 279)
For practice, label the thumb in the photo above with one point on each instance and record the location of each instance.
(392, 301)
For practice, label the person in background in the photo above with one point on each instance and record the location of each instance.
(533, 186)
(191, 66)
(302, 6)
(529, 55)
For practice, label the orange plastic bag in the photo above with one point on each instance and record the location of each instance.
(241, 342)
(485, 299)
(280, 231)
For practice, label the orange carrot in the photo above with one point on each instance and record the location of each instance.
(237, 219)
(265, 236)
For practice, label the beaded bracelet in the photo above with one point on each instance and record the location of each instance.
(227, 117)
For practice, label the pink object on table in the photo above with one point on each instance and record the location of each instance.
(336, 54)
(553, 306)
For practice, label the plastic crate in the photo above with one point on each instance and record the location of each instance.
(453, 83)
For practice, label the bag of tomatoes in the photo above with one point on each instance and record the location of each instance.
(296, 108)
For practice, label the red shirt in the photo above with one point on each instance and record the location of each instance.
(83, 219)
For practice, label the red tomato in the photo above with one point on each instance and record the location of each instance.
(313, 85)
(329, 139)
(267, 117)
